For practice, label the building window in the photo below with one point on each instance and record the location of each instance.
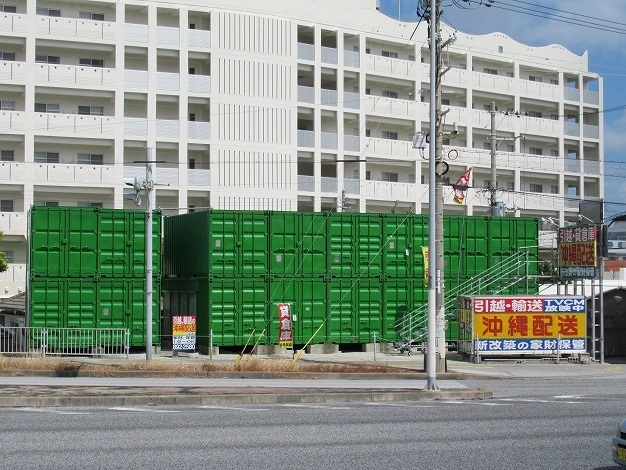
(510, 186)
(393, 55)
(536, 188)
(91, 110)
(88, 204)
(46, 157)
(47, 59)
(87, 15)
(500, 49)
(48, 203)
(510, 148)
(7, 155)
(368, 91)
(368, 175)
(192, 25)
(368, 133)
(191, 208)
(8, 56)
(48, 12)
(554, 153)
(8, 8)
(533, 78)
(192, 70)
(6, 205)
(487, 184)
(445, 101)
(192, 116)
(87, 62)
(388, 176)
(554, 81)
(412, 178)
(536, 114)
(7, 105)
(390, 135)
(192, 164)
(9, 256)
(535, 150)
(389, 94)
(47, 108)
(490, 71)
(90, 159)
(554, 189)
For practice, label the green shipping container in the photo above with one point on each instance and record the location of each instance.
(99, 303)
(80, 242)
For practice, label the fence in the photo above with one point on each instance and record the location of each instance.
(64, 341)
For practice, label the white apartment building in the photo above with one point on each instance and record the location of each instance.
(290, 105)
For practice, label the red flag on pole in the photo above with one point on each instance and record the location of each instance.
(461, 186)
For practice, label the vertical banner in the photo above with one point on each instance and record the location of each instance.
(425, 256)
(461, 186)
(285, 330)
(184, 333)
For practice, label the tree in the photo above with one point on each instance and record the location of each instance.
(4, 264)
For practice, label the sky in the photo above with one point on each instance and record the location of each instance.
(545, 22)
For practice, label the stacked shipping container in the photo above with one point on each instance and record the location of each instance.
(347, 276)
(87, 270)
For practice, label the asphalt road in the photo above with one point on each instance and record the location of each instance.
(558, 423)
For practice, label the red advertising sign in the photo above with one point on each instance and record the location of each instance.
(578, 252)
(285, 329)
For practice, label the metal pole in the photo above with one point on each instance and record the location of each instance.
(431, 374)
(593, 319)
(601, 263)
(149, 210)
(492, 138)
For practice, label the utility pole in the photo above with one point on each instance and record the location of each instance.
(149, 186)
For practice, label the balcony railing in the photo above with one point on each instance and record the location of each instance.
(75, 75)
(168, 81)
(390, 148)
(306, 138)
(591, 97)
(73, 173)
(306, 51)
(382, 106)
(329, 140)
(329, 55)
(389, 66)
(136, 79)
(74, 124)
(198, 130)
(591, 167)
(492, 82)
(12, 121)
(199, 84)
(351, 59)
(306, 94)
(136, 32)
(167, 128)
(16, 272)
(571, 94)
(352, 186)
(306, 183)
(572, 128)
(351, 100)
(168, 36)
(163, 176)
(11, 71)
(351, 143)
(328, 97)
(386, 189)
(329, 184)
(591, 131)
(76, 28)
(198, 178)
(13, 23)
(13, 222)
(12, 171)
(137, 127)
(199, 38)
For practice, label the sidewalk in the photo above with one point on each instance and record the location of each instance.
(149, 388)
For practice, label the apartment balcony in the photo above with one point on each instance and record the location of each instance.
(456, 114)
(16, 273)
(329, 97)
(539, 90)
(168, 36)
(12, 171)
(306, 138)
(160, 175)
(571, 94)
(351, 59)
(87, 175)
(591, 167)
(197, 178)
(390, 107)
(352, 186)
(306, 51)
(509, 160)
(13, 121)
(13, 223)
(351, 143)
(12, 72)
(135, 127)
(74, 124)
(330, 55)
(199, 38)
(306, 183)
(329, 140)
(136, 33)
(387, 66)
(306, 94)
(199, 83)
(74, 75)
(389, 190)
(453, 77)
(591, 97)
(351, 100)
(572, 129)
(591, 131)
(495, 83)
(519, 125)
(391, 149)
(168, 81)
(76, 28)
(329, 184)
(13, 23)
(197, 130)
(136, 79)
(167, 128)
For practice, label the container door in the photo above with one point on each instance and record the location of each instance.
(48, 241)
(253, 239)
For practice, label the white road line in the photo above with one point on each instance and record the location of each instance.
(232, 408)
(399, 405)
(322, 407)
(51, 410)
(537, 400)
(142, 410)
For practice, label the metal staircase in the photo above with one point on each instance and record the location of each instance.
(511, 275)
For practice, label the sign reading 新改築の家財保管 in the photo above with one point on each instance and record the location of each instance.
(184, 333)
(515, 325)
